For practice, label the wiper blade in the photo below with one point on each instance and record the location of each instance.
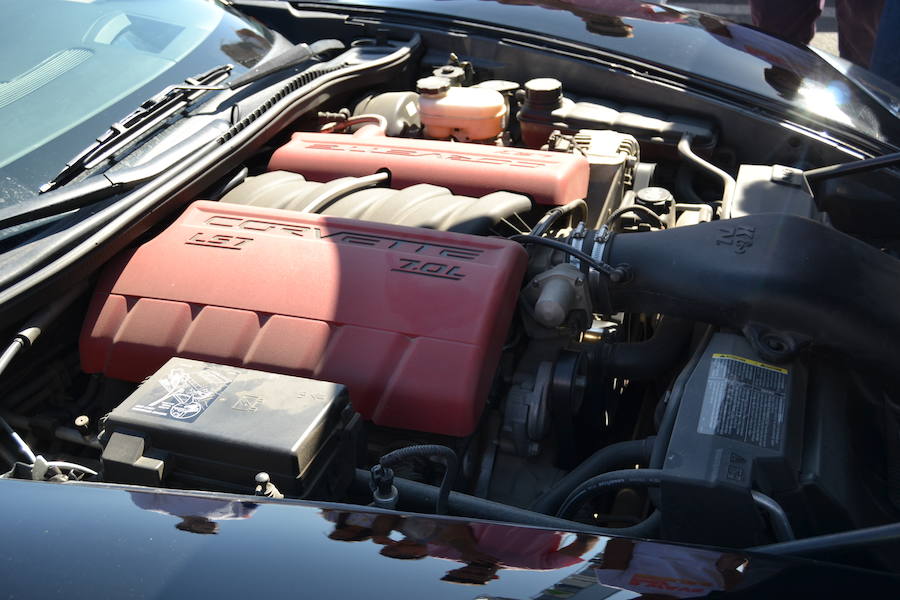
(99, 186)
(75, 196)
(155, 111)
(149, 115)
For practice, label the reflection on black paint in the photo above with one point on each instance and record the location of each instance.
(198, 515)
(739, 60)
(479, 553)
(604, 17)
(87, 541)
(482, 549)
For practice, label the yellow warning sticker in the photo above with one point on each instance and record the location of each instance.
(755, 363)
(746, 401)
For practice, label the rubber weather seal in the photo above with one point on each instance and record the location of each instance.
(294, 84)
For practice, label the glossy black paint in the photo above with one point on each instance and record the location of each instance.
(736, 59)
(82, 540)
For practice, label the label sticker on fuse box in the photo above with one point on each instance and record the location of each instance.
(745, 400)
(184, 396)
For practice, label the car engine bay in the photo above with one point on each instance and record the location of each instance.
(469, 293)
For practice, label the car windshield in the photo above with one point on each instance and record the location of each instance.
(80, 65)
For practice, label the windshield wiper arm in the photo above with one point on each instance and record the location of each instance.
(149, 115)
(99, 186)
(156, 110)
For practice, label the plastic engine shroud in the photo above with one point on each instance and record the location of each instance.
(411, 320)
(466, 169)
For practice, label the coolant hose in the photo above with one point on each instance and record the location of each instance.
(609, 458)
(612, 480)
(651, 358)
(553, 215)
(778, 518)
(421, 497)
(652, 478)
(728, 182)
(429, 451)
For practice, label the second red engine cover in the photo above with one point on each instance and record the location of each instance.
(467, 169)
(411, 320)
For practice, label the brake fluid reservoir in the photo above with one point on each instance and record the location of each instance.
(466, 114)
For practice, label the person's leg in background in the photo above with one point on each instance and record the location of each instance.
(792, 20)
(886, 55)
(857, 26)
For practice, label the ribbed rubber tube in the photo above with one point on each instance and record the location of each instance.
(612, 480)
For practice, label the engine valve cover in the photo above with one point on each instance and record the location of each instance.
(466, 169)
(412, 321)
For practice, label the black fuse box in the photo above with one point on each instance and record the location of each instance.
(739, 427)
(199, 425)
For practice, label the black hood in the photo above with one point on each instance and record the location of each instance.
(737, 60)
(119, 542)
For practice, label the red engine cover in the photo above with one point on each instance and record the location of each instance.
(467, 169)
(411, 320)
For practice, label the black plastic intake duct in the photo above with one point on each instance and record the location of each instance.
(785, 281)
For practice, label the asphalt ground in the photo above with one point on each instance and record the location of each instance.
(739, 11)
